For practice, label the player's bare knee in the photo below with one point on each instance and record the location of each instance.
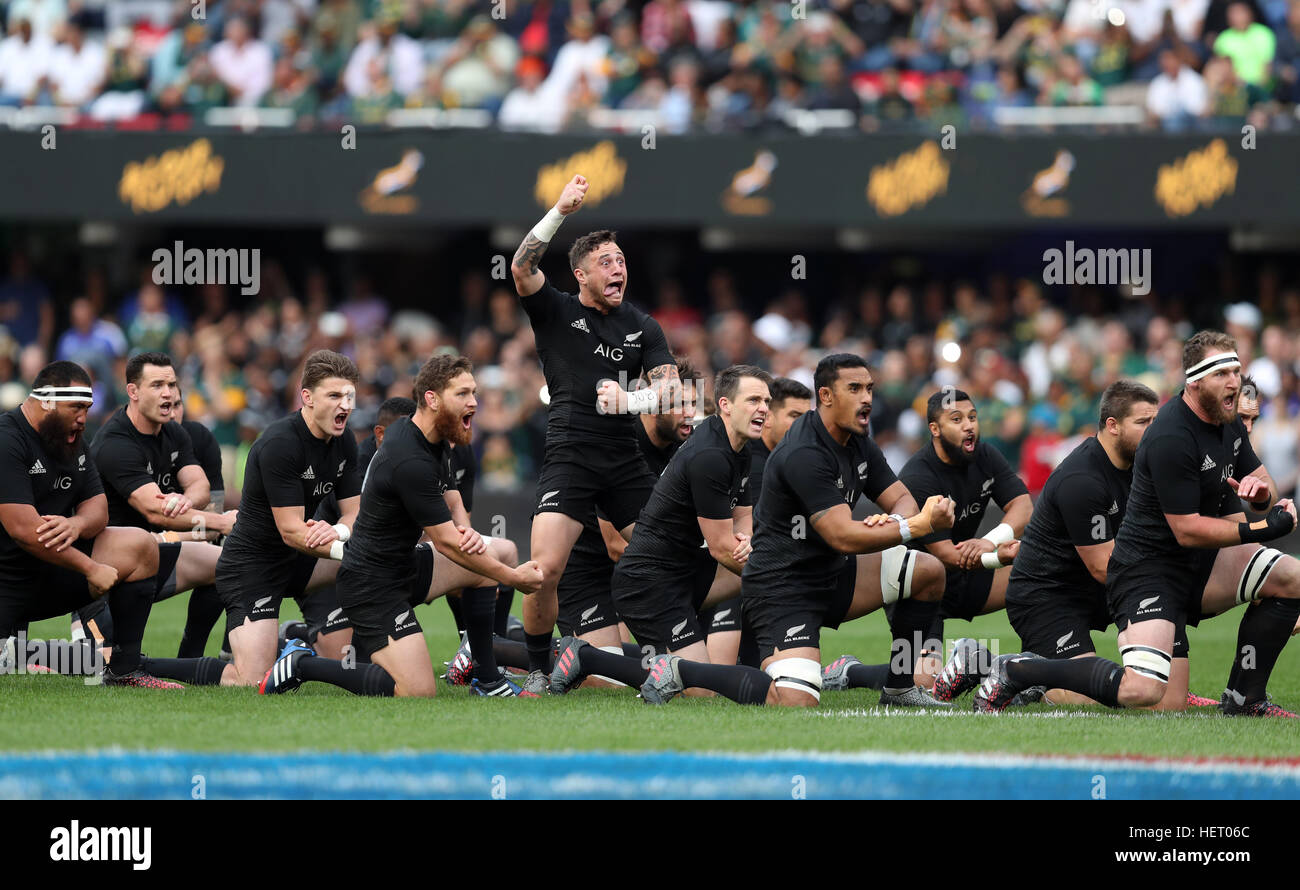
(505, 550)
(1137, 691)
(788, 698)
(1146, 675)
(413, 688)
(928, 579)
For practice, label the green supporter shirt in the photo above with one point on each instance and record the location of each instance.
(1250, 50)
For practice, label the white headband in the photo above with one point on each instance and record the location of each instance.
(1212, 364)
(63, 394)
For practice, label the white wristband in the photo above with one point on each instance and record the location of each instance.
(344, 532)
(643, 401)
(903, 528)
(990, 561)
(336, 550)
(1001, 535)
(548, 225)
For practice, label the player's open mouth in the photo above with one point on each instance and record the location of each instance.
(74, 436)
(614, 289)
(341, 419)
(968, 443)
(864, 415)
(1229, 402)
(757, 424)
(467, 420)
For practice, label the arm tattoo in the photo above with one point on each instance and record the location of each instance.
(664, 380)
(812, 520)
(528, 254)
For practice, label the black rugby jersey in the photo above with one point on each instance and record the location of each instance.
(127, 459)
(579, 347)
(970, 486)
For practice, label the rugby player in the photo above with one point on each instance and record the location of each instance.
(697, 519)
(1185, 550)
(587, 344)
(153, 481)
(409, 491)
(275, 546)
(970, 473)
(814, 566)
(727, 642)
(1248, 403)
(57, 551)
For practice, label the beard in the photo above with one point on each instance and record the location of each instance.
(1213, 407)
(666, 429)
(956, 453)
(450, 429)
(54, 438)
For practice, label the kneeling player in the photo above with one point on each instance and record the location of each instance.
(814, 566)
(696, 520)
(404, 497)
(1184, 549)
(57, 552)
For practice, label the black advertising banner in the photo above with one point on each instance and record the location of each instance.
(490, 178)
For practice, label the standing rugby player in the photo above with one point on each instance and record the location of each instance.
(587, 343)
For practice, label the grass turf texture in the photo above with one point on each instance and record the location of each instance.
(39, 712)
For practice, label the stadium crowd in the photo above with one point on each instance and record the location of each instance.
(711, 65)
(1034, 361)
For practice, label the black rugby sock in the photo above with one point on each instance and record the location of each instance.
(478, 605)
(505, 599)
(1261, 636)
(744, 685)
(539, 651)
(201, 614)
(363, 679)
(196, 671)
(626, 669)
(510, 653)
(1094, 677)
(866, 676)
(130, 602)
(909, 621)
(632, 650)
(454, 603)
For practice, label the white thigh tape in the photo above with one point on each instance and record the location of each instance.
(1148, 661)
(1252, 580)
(800, 674)
(896, 567)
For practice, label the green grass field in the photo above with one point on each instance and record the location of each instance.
(43, 712)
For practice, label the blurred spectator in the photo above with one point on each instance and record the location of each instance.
(77, 68)
(91, 341)
(243, 63)
(476, 72)
(24, 63)
(25, 307)
(1177, 95)
(529, 106)
(583, 54)
(45, 16)
(1249, 45)
(398, 58)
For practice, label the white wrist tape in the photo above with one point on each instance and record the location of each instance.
(903, 528)
(1001, 535)
(344, 532)
(990, 561)
(548, 225)
(643, 401)
(336, 550)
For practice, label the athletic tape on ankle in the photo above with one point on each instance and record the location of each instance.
(897, 565)
(1256, 573)
(1147, 661)
(800, 674)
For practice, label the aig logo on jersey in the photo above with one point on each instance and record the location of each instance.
(610, 352)
(63, 482)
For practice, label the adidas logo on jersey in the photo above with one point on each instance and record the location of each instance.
(36, 468)
(1208, 465)
(581, 324)
(1114, 508)
(309, 473)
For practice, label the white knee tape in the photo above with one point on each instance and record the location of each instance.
(1257, 570)
(613, 650)
(1147, 661)
(896, 567)
(800, 674)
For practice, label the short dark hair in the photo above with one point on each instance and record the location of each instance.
(828, 369)
(686, 370)
(438, 372)
(392, 409)
(783, 388)
(941, 401)
(324, 364)
(728, 380)
(1201, 342)
(1249, 381)
(1118, 400)
(135, 364)
(61, 374)
(587, 243)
